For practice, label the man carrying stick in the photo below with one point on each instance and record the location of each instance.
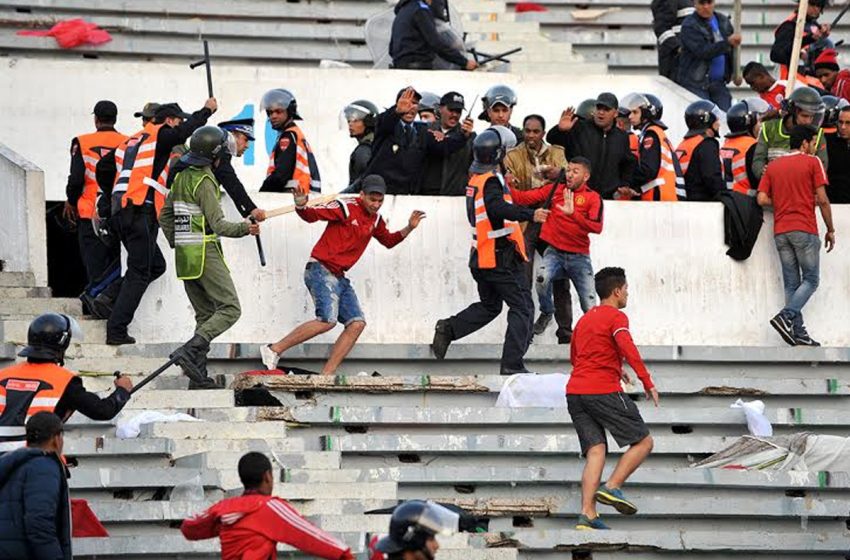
(351, 225)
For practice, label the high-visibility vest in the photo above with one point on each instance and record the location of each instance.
(26, 389)
(686, 150)
(190, 234)
(669, 185)
(483, 235)
(306, 169)
(634, 144)
(777, 141)
(734, 156)
(93, 147)
(134, 160)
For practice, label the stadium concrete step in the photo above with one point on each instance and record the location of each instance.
(110, 480)
(10, 279)
(24, 292)
(83, 447)
(215, 430)
(37, 305)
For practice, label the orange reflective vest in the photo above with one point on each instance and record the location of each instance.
(483, 235)
(306, 169)
(686, 149)
(669, 185)
(734, 156)
(134, 160)
(634, 144)
(26, 389)
(93, 147)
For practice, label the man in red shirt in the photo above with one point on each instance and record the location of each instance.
(793, 184)
(595, 399)
(835, 80)
(351, 225)
(770, 89)
(251, 525)
(567, 231)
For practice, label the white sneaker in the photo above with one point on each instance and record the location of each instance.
(269, 356)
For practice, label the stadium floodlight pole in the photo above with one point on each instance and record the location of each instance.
(798, 43)
(738, 78)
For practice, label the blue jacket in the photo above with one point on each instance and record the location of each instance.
(35, 516)
(699, 49)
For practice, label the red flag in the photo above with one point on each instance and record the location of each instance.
(72, 33)
(530, 7)
(84, 521)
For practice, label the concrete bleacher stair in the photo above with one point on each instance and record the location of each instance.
(346, 445)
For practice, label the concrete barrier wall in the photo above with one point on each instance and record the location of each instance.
(22, 228)
(41, 113)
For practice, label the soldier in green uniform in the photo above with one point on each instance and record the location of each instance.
(803, 107)
(192, 221)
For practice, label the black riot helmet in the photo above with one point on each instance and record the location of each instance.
(700, 116)
(804, 99)
(413, 523)
(362, 110)
(742, 117)
(49, 336)
(206, 145)
(496, 95)
(429, 102)
(586, 109)
(490, 147)
(832, 106)
(651, 109)
(281, 99)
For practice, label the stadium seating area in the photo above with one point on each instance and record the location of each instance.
(351, 444)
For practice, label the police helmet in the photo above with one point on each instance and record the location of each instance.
(413, 523)
(206, 145)
(49, 336)
(832, 106)
(586, 109)
(804, 99)
(429, 102)
(281, 99)
(650, 106)
(488, 150)
(742, 117)
(499, 94)
(361, 110)
(700, 116)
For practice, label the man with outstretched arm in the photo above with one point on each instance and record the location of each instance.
(352, 223)
(596, 402)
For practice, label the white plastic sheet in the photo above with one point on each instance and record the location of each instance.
(129, 428)
(757, 422)
(534, 390)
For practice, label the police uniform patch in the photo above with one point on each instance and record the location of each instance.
(283, 143)
(182, 223)
(648, 142)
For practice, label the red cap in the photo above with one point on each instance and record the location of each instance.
(828, 59)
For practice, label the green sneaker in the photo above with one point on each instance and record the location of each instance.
(586, 524)
(615, 499)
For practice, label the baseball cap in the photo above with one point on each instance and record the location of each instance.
(373, 184)
(148, 111)
(105, 110)
(453, 100)
(608, 100)
(171, 110)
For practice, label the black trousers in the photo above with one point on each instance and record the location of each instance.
(137, 228)
(497, 286)
(97, 257)
(560, 288)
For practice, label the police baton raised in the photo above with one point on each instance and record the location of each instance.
(206, 62)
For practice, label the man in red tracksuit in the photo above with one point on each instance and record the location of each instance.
(351, 225)
(251, 525)
(576, 214)
(835, 80)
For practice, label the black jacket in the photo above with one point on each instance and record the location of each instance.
(742, 220)
(783, 39)
(447, 175)
(704, 178)
(358, 163)
(398, 153)
(35, 517)
(699, 49)
(226, 176)
(609, 153)
(415, 41)
(838, 189)
(284, 163)
(667, 17)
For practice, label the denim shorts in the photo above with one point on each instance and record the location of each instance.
(333, 296)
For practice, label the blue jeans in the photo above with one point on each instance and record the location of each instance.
(333, 296)
(717, 93)
(799, 254)
(561, 264)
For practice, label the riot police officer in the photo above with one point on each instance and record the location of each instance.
(743, 119)
(414, 527)
(699, 152)
(360, 117)
(498, 103)
(292, 165)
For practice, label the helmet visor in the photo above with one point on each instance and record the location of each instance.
(276, 99)
(231, 144)
(757, 105)
(354, 113)
(634, 101)
(507, 135)
(439, 520)
(75, 330)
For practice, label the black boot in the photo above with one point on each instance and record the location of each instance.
(443, 336)
(187, 357)
(205, 382)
